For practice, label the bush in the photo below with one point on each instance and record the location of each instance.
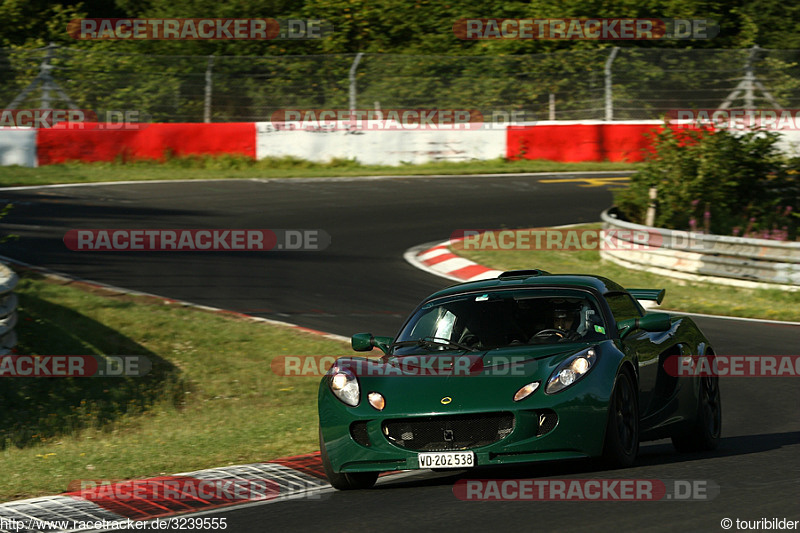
(728, 183)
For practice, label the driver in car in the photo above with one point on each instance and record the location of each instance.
(566, 320)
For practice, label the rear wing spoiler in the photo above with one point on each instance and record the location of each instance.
(657, 295)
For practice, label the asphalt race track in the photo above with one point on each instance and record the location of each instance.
(362, 283)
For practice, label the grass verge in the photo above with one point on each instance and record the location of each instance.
(211, 399)
(681, 295)
(233, 167)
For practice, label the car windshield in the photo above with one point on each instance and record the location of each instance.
(500, 318)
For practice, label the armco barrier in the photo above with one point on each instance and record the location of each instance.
(721, 259)
(8, 309)
(148, 141)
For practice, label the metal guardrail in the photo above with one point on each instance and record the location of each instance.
(718, 258)
(8, 309)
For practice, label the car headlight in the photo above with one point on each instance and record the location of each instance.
(344, 385)
(571, 370)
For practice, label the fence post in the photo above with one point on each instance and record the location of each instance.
(552, 106)
(650, 219)
(207, 100)
(353, 69)
(608, 92)
(45, 79)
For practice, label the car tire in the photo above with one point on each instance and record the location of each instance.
(345, 481)
(705, 431)
(622, 429)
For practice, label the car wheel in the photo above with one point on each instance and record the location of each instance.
(705, 431)
(345, 481)
(622, 430)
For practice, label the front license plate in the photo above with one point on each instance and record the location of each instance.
(447, 460)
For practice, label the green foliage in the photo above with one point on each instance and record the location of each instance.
(165, 80)
(727, 182)
(400, 26)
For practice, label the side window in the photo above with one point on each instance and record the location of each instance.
(622, 306)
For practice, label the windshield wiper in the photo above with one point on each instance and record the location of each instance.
(434, 341)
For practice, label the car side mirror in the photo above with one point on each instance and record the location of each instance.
(650, 322)
(365, 342)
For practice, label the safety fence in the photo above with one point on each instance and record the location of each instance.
(626, 83)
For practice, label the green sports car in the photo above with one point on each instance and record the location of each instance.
(526, 367)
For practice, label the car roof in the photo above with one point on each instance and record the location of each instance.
(532, 279)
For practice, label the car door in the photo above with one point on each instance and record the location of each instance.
(638, 344)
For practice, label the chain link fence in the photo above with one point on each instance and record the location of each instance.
(605, 84)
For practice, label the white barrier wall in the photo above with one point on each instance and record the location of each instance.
(387, 147)
(18, 147)
(790, 142)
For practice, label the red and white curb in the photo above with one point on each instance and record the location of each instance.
(111, 505)
(440, 261)
(115, 504)
(437, 259)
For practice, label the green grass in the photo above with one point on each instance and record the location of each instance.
(211, 399)
(232, 167)
(681, 295)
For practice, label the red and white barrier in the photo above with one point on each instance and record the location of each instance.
(568, 141)
(149, 141)
(580, 141)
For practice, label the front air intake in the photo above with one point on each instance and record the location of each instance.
(448, 432)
